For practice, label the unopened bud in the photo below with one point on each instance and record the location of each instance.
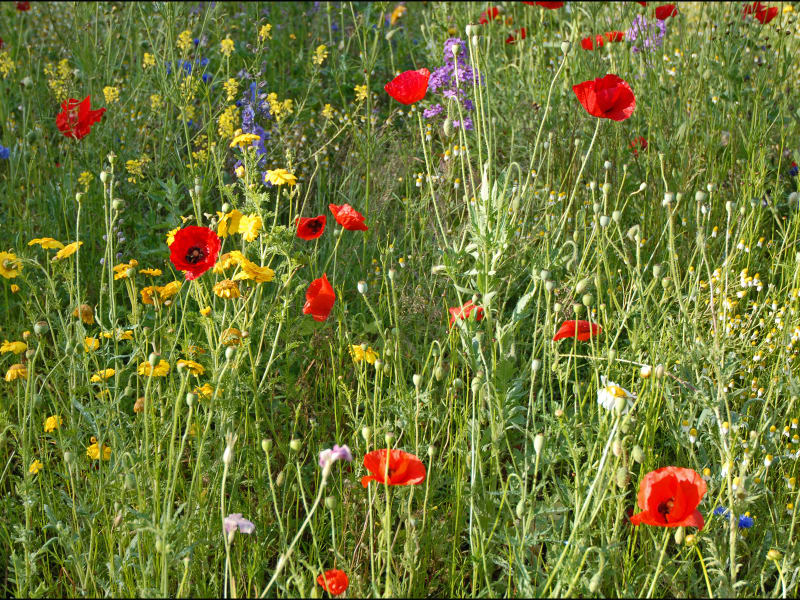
(330, 502)
(564, 47)
(227, 456)
(230, 351)
(362, 287)
(679, 535)
(388, 437)
(266, 445)
(295, 445)
(536, 364)
(226, 207)
(152, 359)
(41, 327)
(366, 433)
(637, 454)
(621, 477)
(659, 371)
(520, 509)
(616, 216)
(191, 399)
(104, 176)
(645, 371)
(417, 379)
(538, 443)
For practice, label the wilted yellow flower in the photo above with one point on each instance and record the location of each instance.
(194, 350)
(47, 243)
(138, 406)
(93, 451)
(265, 33)
(320, 54)
(111, 94)
(228, 223)
(250, 270)
(160, 370)
(14, 288)
(358, 353)
(227, 289)
(16, 371)
(194, 368)
(102, 375)
(148, 293)
(90, 344)
(361, 92)
(148, 60)
(171, 235)
(68, 250)
(10, 265)
(35, 467)
(52, 423)
(15, 347)
(281, 177)
(184, 41)
(226, 46)
(151, 272)
(121, 270)
(250, 227)
(85, 312)
(230, 337)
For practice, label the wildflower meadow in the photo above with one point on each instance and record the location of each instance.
(389, 299)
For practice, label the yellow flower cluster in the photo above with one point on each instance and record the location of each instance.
(68, 250)
(249, 226)
(84, 179)
(226, 124)
(15, 347)
(327, 111)
(361, 92)
(148, 60)
(163, 292)
(155, 102)
(227, 289)
(249, 269)
(202, 147)
(160, 370)
(135, 168)
(52, 423)
(58, 78)
(280, 177)
(6, 64)
(242, 140)
(184, 41)
(93, 451)
(226, 46)
(320, 54)
(231, 88)
(121, 270)
(111, 94)
(359, 353)
(265, 33)
(280, 109)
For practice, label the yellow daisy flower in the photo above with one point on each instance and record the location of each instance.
(121, 270)
(251, 270)
(102, 375)
(281, 177)
(10, 265)
(90, 344)
(160, 370)
(93, 451)
(16, 371)
(15, 347)
(52, 423)
(48, 243)
(151, 272)
(68, 250)
(227, 289)
(193, 367)
(228, 223)
(250, 227)
(244, 139)
(35, 467)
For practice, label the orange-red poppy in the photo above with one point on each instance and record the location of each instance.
(583, 330)
(464, 312)
(348, 217)
(334, 581)
(409, 87)
(319, 298)
(669, 497)
(403, 468)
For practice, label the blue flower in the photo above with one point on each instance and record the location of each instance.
(206, 77)
(793, 170)
(745, 522)
(4, 152)
(204, 61)
(721, 511)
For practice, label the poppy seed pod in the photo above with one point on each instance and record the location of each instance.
(679, 535)
(596, 208)
(417, 379)
(577, 309)
(637, 454)
(538, 443)
(266, 445)
(388, 437)
(296, 444)
(520, 510)
(117, 204)
(439, 373)
(549, 286)
(557, 306)
(604, 221)
(606, 189)
(41, 327)
(104, 176)
(544, 274)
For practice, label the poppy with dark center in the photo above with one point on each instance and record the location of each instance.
(409, 87)
(464, 312)
(333, 581)
(319, 299)
(513, 37)
(76, 117)
(489, 14)
(669, 497)
(606, 97)
(348, 217)
(310, 228)
(402, 469)
(583, 330)
(665, 11)
(763, 13)
(638, 143)
(194, 250)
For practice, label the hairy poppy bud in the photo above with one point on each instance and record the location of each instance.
(41, 327)
(117, 204)
(152, 359)
(606, 189)
(544, 274)
(637, 454)
(549, 286)
(587, 300)
(266, 445)
(520, 510)
(612, 355)
(104, 176)
(594, 582)
(330, 502)
(536, 364)
(557, 307)
(617, 447)
(645, 371)
(191, 399)
(596, 208)
(538, 443)
(295, 445)
(68, 456)
(431, 451)
(458, 383)
(659, 371)
(577, 309)
(616, 216)
(366, 433)
(230, 351)
(280, 478)
(679, 535)
(362, 287)
(388, 437)
(564, 47)
(439, 373)
(622, 478)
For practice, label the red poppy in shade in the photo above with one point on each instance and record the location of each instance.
(76, 117)
(1, 42)
(665, 11)
(583, 330)
(348, 217)
(319, 299)
(403, 469)
(606, 97)
(464, 312)
(194, 250)
(590, 43)
(23, 6)
(550, 5)
(637, 144)
(669, 497)
(334, 581)
(640, 2)
(615, 36)
(489, 14)
(409, 87)
(310, 228)
(513, 37)
(761, 12)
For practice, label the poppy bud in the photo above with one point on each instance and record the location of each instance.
(606, 188)
(439, 373)
(227, 455)
(295, 445)
(417, 379)
(596, 208)
(645, 371)
(391, 273)
(665, 282)
(68, 456)
(104, 176)
(229, 352)
(549, 286)
(607, 165)
(587, 300)
(536, 364)
(604, 221)
(773, 555)
(130, 481)
(280, 478)
(538, 443)
(616, 446)
(678, 197)
(458, 383)
(362, 287)
(152, 359)
(117, 204)
(388, 437)
(659, 372)
(637, 454)
(520, 509)
(544, 274)
(592, 185)
(616, 216)
(41, 327)
(448, 127)
(643, 186)
(557, 306)
(669, 197)
(577, 309)
(621, 477)
(564, 47)
(191, 399)
(378, 364)
(475, 386)
(594, 582)
(30, 353)
(633, 233)
(387, 368)
(431, 451)
(474, 43)
(226, 207)
(729, 207)
(366, 433)
(679, 535)
(266, 445)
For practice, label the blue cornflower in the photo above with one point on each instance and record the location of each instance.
(793, 170)
(4, 152)
(746, 521)
(204, 61)
(206, 77)
(721, 511)
(196, 42)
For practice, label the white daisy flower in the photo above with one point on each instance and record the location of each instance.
(609, 392)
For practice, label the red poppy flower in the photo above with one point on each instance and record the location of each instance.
(23, 6)
(409, 87)
(512, 38)
(669, 497)
(583, 330)
(348, 217)
(319, 299)
(640, 2)
(76, 117)
(637, 144)
(194, 250)
(761, 12)
(1, 42)
(404, 468)
(463, 312)
(606, 97)
(334, 582)
(310, 228)
(666, 11)
(489, 15)
(615, 36)
(550, 5)
(590, 43)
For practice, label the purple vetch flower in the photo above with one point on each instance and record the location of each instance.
(468, 125)
(432, 111)
(650, 34)
(235, 521)
(330, 456)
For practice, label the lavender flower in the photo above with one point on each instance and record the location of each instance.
(452, 78)
(330, 456)
(649, 33)
(235, 521)
(432, 111)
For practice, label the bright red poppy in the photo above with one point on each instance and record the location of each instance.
(583, 330)
(348, 217)
(464, 312)
(319, 299)
(513, 37)
(489, 14)
(310, 228)
(403, 468)
(665, 11)
(615, 36)
(409, 87)
(550, 5)
(76, 117)
(592, 42)
(638, 143)
(334, 581)
(23, 6)
(194, 250)
(669, 497)
(606, 97)
(761, 12)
